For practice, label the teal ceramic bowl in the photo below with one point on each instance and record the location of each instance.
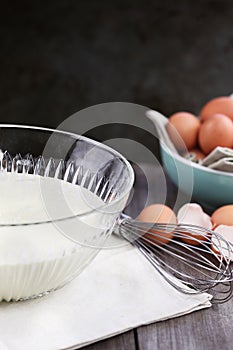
(210, 188)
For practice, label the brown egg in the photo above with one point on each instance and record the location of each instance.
(215, 131)
(196, 154)
(223, 216)
(223, 105)
(158, 213)
(183, 130)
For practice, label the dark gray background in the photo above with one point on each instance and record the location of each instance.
(60, 56)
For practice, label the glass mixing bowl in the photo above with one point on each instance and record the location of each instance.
(60, 196)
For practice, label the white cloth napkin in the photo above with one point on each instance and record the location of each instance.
(118, 291)
(221, 158)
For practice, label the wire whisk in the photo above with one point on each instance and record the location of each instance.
(195, 260)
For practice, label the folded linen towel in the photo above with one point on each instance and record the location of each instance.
(118, 291)
(221, 158)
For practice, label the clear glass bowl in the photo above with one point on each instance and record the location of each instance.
(60, 196)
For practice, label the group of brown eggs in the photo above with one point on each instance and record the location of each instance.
(221, 221)
(200, 135)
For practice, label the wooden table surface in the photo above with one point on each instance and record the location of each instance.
(206, 329)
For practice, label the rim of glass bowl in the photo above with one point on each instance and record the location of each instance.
(76, 137)
(193, 164)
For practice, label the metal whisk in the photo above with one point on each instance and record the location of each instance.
(195, 257)
(195, 260)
